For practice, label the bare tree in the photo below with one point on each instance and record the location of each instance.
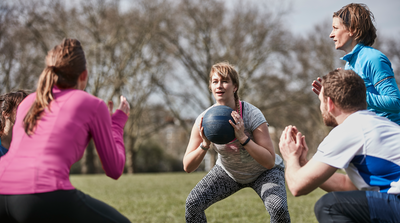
(159, 53)
(21, 60)
(206, 32)
(285, 95)
(125, 58)
(122, 54)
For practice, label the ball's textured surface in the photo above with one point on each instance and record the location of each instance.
(216, 124)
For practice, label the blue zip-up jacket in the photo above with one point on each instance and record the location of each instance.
(383, 95)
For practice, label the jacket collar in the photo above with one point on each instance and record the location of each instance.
(355, 50)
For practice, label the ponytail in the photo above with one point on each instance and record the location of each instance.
(237, 102)
(44, 95)
(64, 63)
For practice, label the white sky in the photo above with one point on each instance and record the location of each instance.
(307, 13)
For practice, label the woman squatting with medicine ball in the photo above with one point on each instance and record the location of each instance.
(247, 161)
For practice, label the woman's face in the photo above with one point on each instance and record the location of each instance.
(343, 38)
(222, 88)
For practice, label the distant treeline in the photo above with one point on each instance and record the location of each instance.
(158, 53)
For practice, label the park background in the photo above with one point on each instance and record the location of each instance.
(158, 53)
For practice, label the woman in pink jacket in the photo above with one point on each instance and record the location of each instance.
(52, 129)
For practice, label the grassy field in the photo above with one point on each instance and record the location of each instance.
(157, 198)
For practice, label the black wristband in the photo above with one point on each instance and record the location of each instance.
(247, 141)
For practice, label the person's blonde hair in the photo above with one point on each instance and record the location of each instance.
(225, 70)
(357, 18)
(64, 64)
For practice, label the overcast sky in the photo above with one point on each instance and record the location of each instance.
(307, 13)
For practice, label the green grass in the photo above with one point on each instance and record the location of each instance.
(148, 198)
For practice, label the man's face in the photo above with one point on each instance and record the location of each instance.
(329, 120)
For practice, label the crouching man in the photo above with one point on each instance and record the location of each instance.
(367, 146)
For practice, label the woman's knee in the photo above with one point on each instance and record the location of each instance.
(193, 201)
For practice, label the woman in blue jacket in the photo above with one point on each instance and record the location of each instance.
(354, 33)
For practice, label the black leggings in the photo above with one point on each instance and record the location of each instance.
(218, 185)
(56, 206)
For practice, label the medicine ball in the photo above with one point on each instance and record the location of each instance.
(216, 124)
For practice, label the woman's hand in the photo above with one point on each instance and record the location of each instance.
(123, 106)
(194, 155)
(238, 127)
(317, 85)
(110, 106)
(206, 143)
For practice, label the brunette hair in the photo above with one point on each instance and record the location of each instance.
(225, 70)
(64, 64)
(358, 19)
(8, 103)
(346, 89)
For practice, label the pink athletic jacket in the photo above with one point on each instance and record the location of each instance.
(41, 162)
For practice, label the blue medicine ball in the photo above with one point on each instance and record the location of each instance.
(216, 124)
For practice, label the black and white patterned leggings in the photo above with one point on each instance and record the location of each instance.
(218, 185)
